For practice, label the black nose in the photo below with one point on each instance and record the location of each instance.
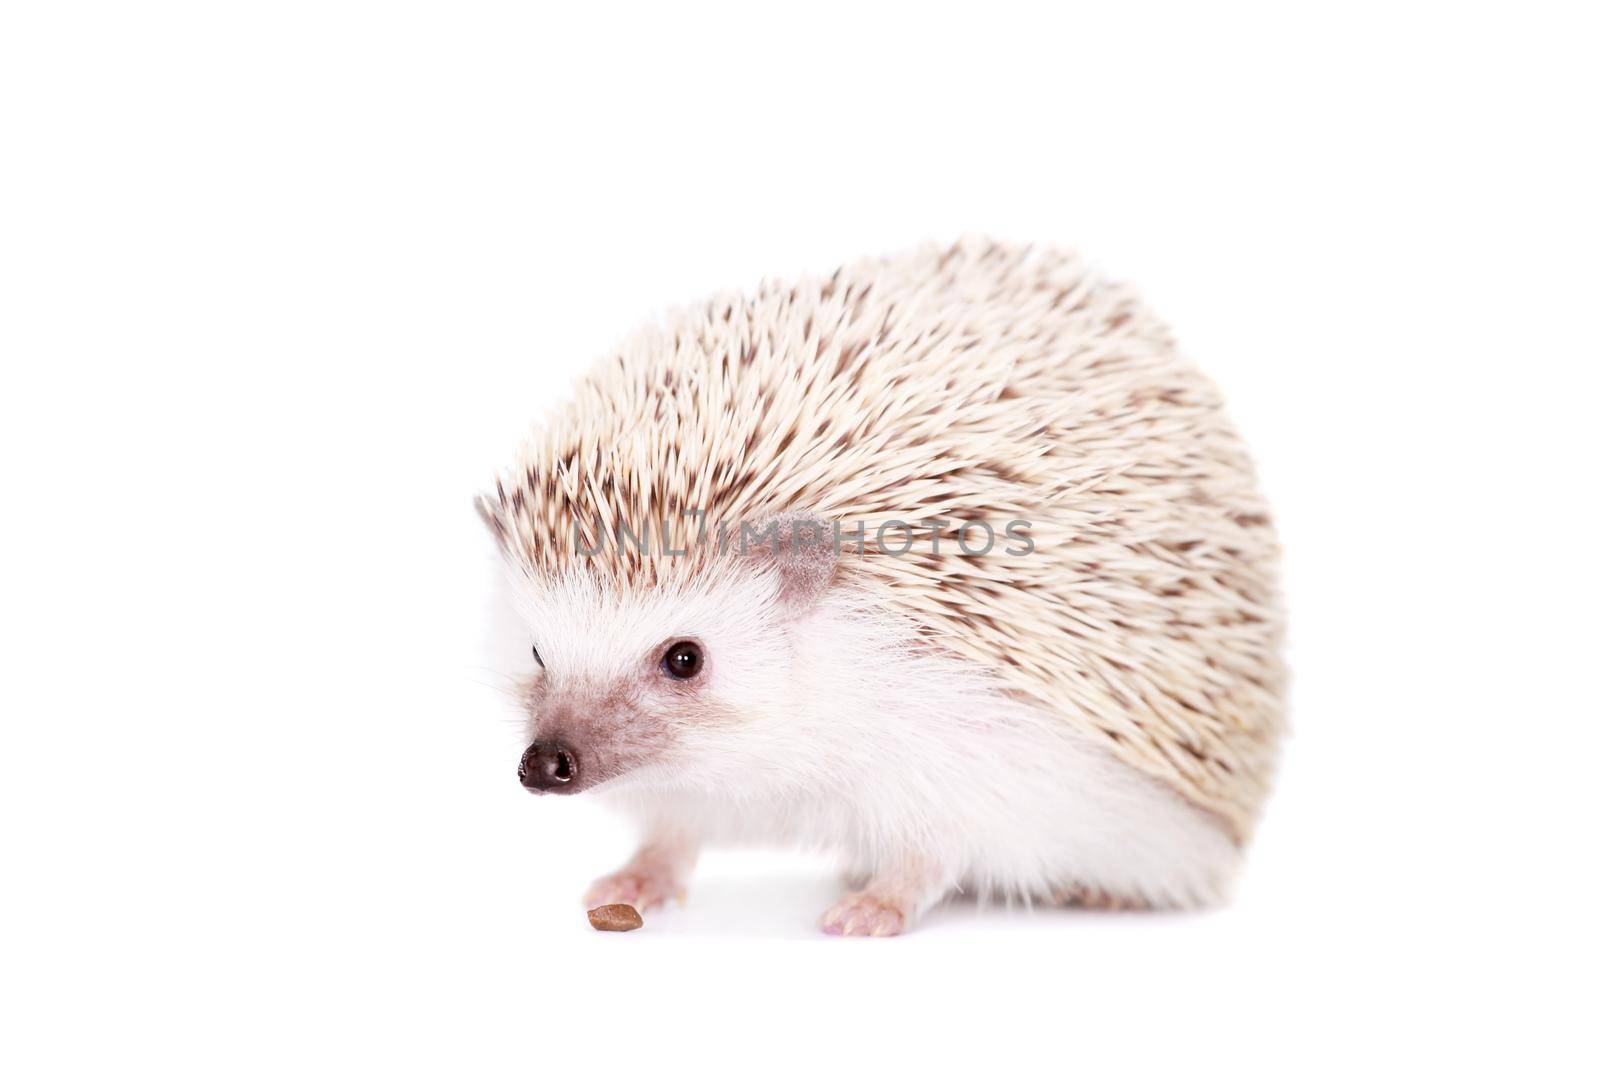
(548, 767)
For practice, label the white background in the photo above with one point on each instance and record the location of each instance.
(281, 286)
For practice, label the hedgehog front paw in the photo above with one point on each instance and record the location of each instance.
(644, 889)
(864, 914)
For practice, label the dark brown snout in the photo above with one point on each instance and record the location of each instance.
(550, 765)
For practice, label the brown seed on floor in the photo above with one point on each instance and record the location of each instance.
(615, 917)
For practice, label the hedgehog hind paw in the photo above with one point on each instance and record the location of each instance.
(864, 914)
(1091, 898)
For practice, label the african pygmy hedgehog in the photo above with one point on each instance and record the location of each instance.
(947, 564)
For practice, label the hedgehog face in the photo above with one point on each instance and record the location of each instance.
(658, 683)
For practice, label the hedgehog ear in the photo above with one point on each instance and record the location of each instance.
(801, 546)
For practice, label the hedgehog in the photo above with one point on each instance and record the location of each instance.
(946, 565)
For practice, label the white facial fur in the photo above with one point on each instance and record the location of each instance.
(602, 675)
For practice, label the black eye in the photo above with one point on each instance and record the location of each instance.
(683, 660)
(536, 657)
